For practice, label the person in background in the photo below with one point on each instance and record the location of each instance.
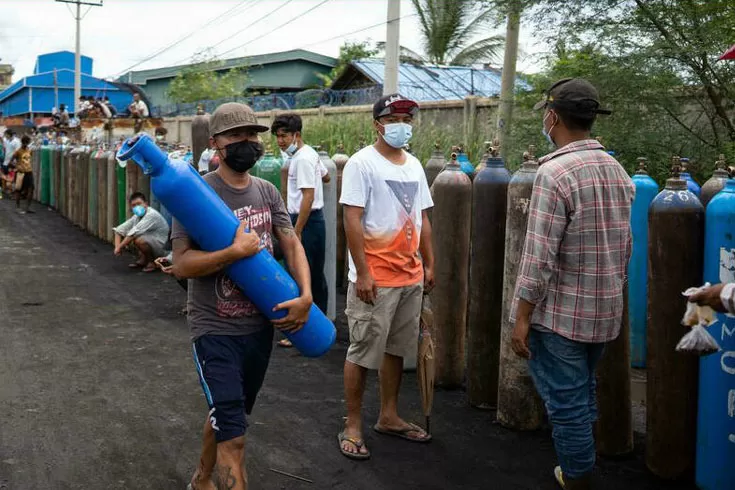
(204, 159)
(231, 339)
(23, 174)
(305, 201)
(568, 300)
(102, 108)
(110, 107)
(12, 144)
(386, 198)
(138, 108)
(147, 230)
(63, 117)
(84, 107)
(138, 111)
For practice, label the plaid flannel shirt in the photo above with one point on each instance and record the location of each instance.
(578, 243)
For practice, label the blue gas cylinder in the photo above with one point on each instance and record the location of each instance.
(465, 165)
(716, 410)
(692, 185)
(646, 190)
(212, 225)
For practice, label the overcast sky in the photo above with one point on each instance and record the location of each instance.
(124, 32)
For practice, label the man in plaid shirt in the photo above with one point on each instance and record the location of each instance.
(569, 293)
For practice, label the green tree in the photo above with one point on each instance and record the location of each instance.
(448, 26)
(653, 58)
(348, 52)
(205, 79)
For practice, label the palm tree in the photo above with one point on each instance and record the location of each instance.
(447, 26)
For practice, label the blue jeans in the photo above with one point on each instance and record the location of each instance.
(564, 374)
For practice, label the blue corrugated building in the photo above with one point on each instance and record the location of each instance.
(52, 84)
(426, 82)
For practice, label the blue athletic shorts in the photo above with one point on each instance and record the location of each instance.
(231, 370)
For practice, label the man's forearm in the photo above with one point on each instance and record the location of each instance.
(525, 310)
(356, 244)
(127, 241)
(197, 263)
(304, 212)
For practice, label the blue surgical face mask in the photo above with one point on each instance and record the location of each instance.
(292, 148)
(547, 134)
(139, 210)
(397, 135)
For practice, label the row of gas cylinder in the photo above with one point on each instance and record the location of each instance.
(479, 224)
(683, 236)
(87, 186)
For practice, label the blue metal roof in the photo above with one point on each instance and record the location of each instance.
(432, 82)
(59, 60)
(36, 92)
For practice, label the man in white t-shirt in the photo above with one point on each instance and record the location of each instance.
(138, 108)
(386, 197)
(305, 199)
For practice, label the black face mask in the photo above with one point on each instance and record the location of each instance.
(242, 155)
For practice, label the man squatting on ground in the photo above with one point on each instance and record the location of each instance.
(147, 230)
(386, 198)
(231, 339)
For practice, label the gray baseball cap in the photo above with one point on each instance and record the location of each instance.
(574, 95)
(234, 115)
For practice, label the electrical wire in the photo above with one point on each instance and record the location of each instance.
(183, 38)
(182, 60)
(251, 24)
(355, 32)
(275, 29)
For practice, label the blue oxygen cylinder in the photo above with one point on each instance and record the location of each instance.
(646, 190)
(691, 183)
(212, 225)
(716, 412)
(464, 163)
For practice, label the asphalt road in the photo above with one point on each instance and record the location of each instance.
(98, 391)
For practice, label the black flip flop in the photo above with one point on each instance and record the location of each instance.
(358, 443)
(403, 433)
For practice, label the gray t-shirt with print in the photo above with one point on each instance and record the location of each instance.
(216, 305)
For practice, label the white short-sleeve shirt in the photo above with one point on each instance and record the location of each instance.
(304, 172)
(393, 197)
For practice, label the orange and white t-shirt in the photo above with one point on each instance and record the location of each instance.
(393, 197)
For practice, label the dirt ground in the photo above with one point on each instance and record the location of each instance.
(98, 391)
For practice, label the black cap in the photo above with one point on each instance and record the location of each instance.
(394, 104)
(573, 95)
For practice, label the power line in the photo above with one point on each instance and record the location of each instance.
(355, 32)
(252, 23)
(276, 28)
(238, 32)
(183, 38)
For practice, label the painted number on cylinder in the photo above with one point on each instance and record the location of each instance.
(683, 196)
(727, 265)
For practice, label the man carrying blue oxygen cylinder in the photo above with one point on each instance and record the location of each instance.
(232, 340)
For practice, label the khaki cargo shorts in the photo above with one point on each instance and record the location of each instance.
(391, 325)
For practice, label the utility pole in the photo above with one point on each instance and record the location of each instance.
(78, 51)
(390, 82)
(508, 78)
